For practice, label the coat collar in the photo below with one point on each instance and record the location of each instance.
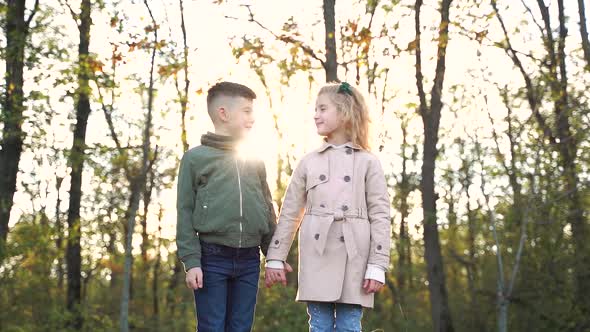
(220, 142)
(327, 145)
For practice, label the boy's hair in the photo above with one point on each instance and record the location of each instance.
(351, 104)
(228, 89)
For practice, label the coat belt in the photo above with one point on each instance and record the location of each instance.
(324, 219)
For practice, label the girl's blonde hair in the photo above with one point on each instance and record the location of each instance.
(351, 104)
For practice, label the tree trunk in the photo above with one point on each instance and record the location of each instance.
(76, 162)
(568, 147)
(137, 183)
(331, 64)
(440, 310)
(59, 233)
(155, 280)
(584, 32)
(184, 94)
(125, 297)
(404, 246)
(16, 30)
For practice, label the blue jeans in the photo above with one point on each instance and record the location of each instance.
(330, 317)
(230, 284)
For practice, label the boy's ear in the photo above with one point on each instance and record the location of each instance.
(223, 114)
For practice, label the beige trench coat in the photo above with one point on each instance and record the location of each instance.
(338, 200)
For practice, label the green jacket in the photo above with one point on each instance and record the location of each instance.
(221, 199)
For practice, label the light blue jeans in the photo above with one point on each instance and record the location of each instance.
(334, 317)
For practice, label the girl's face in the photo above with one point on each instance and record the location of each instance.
(328, 120)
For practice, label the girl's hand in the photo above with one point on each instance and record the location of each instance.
(372, 286)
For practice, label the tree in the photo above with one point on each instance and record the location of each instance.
(17, 30)
(431, 113)
(137, 178)
(558, 131)
(331, 63)
(76, 162)
(584, 32)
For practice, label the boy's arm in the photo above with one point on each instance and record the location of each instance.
(272, 219)
(378, 209)
(187, 240)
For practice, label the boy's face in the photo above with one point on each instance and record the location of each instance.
(327, 118)
(237, 116)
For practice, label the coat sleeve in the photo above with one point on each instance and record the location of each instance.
(272, 217)
(290, 216)
(378, 209)
(187, 240)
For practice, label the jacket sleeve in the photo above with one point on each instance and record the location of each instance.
(378, 209)
(289, 217)
(272, 217)
(187, 240)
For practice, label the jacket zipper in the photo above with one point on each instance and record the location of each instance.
(241, 206)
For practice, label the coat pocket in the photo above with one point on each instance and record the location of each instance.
(201, 206)
(315, 179)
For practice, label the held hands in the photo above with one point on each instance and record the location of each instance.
(194, 278)
(272, 276)
(372, 286)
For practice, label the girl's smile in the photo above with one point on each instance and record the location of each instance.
(329, 121)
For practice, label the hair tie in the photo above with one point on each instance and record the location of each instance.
(345, 88)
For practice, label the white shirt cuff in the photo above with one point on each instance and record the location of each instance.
(375, 272)
(274, 264)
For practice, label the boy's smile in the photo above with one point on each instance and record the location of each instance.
(237, 117)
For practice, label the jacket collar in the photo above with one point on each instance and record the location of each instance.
(220, 142)
(327, 145)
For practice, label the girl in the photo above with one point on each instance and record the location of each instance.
(338, 200)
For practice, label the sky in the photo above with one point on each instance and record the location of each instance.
(211, 29)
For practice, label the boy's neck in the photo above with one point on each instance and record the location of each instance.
(222, 132)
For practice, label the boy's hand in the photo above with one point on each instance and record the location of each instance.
(372, 286)
(194, 278)
(273, 276)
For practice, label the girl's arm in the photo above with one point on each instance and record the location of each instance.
(289, 217)
(378, 209)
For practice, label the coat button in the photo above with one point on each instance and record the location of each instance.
(379, 247)
(322, 177)
(342, 239)
(344, 207)
(348, 151)
(347, 178)
(276, 241)
(317, 236)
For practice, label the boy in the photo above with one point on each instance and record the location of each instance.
(225, 215)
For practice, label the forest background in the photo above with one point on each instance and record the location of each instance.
(480, 118)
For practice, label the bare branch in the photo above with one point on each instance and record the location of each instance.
(33, 12)
(528, 9)
(75, 16)
(423, 108)
(286, 39)
(530, 88)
